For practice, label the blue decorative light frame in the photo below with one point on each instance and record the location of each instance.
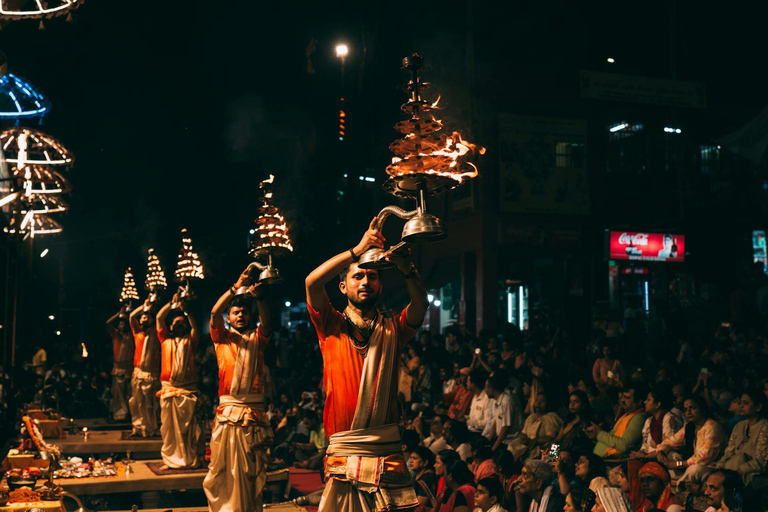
(18, 99)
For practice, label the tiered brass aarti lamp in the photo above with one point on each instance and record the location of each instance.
(426, 162)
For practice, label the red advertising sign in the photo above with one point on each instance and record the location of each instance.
(624, 245)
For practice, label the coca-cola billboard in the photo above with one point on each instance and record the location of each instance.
(626, 245)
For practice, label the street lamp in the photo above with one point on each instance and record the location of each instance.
(342, 51)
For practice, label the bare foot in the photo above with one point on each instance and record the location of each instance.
(164, 467)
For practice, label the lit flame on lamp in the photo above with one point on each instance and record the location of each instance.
(85, 350)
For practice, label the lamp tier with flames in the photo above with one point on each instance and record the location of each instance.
(32, 184)
(155, 280)
(426, 162)
(188, 267)
(269, 236)
(129, 292)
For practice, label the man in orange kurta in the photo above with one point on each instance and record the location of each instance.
(364, 464)
(180, 428)
(145, 382)
(241, 431)
(122, 348)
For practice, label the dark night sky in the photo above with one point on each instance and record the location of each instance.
(176, 115)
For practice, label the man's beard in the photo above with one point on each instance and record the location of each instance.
(366, 303)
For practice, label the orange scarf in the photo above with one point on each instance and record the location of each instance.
(618, 431)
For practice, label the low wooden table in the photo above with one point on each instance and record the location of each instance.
(106, 441)
(142, 479)
(48, 506)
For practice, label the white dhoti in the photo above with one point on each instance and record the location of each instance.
(239, 441)
(121, 392)
(144, 403)
(366, 472)
(180, 428)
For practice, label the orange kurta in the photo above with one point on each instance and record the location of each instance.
(343, 366)
(227, 343)
(146, 355)
(122, 348)
(183, 371)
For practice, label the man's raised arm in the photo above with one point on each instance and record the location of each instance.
(163, 314)
(318, 278)
(136, 313)
(217, 313)
(415, 311)
(265, 316)
(111, 320)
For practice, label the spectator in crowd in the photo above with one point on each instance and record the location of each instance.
(579, 500)
(443, 460)
(507, 419)
(462, 399)
(699, 443)
(721, 485)
(655, 484)
(482, 465)
(540, 429)
(421, 464)
(571, 436)
(660, 424)
(459, 479)
(590, 471)
(607, 372)
(310, 455)
(480, 409)
(610, 499)
(489, 495)
(448, 376)
(628, 481)
(436, 441)
(747, 449)
(505, 467)
(627, 432)
(536, 485)
(457, 436)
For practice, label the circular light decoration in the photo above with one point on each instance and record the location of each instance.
(32, 224)
(25, 146)
(36, 9)
(129, 291)
(19, 100)
(188, 266)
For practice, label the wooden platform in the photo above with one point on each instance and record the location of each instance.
(106, 441)
(271, 507)
(142, 479)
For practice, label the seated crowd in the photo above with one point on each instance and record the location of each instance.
(520, 425)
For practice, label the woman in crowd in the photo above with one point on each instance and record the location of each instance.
(442, 460)
(539, 430)
(571, 436)
(579, 500)
(482, 459)
(747, 450)
(421, 464)
(509, 475)
(698, 444)
(624, 476)
(607, 372)
(460, 481)
(661, 423)
(590, 470)
(610, 499)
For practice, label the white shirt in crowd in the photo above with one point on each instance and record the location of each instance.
(506, 412)
(494, 508)
(479, 413)
(435, 445)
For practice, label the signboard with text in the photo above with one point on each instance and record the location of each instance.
(625, 245)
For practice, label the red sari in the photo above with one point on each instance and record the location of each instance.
(465, 490)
